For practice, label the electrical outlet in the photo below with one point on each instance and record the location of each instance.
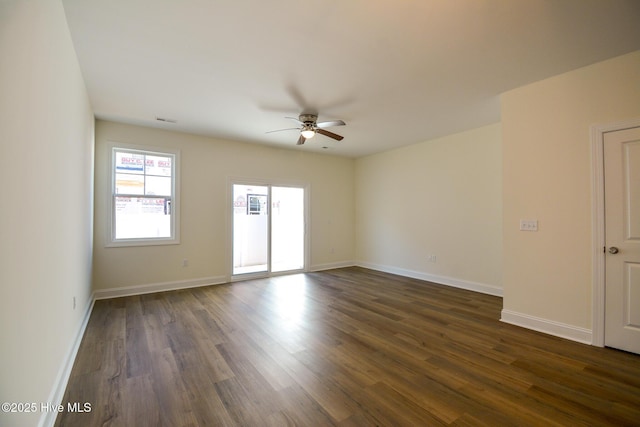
(431, 258)
(185, 262)
(528, 225)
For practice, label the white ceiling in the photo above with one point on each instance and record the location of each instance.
(397, 71)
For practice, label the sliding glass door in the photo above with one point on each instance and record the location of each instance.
(268, 229)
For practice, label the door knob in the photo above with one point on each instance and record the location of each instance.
(613, 250)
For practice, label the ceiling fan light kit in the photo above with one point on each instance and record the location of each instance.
(309, 127)
(308, 132)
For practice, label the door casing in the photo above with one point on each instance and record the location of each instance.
(231, 180)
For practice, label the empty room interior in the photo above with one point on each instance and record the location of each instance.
(320, 213)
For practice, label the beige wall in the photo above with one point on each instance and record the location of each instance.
(441, 197)
(46, 131)
(206, 166)
(547, 176)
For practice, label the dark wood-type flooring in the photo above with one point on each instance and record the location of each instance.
(345, 347)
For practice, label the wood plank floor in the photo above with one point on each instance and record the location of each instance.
(345, 347)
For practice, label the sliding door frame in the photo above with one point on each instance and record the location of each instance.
(235, 180)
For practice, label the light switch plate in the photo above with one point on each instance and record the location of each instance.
(528, 225)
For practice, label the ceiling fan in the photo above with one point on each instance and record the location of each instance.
(309, 127)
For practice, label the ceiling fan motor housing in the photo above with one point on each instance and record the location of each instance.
(308, 119)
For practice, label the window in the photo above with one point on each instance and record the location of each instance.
(143, 197)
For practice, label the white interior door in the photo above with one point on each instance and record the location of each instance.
(622, 237)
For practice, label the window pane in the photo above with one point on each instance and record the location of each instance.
(157, 165)
(287, 228)
(250, 229)
(129, 184)
(142, 217)
(158, 186)
(129, 162)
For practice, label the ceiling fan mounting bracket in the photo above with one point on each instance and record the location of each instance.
(305, 118)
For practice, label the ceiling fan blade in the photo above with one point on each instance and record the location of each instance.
(280, 130)
(301, 140)
(329, 124)
(330, 134)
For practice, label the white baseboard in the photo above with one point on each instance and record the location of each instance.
(331, 265)
(158, 287)
(442, 280)
(48, 418)
(551, 327)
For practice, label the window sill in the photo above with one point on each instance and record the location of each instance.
(141, 242)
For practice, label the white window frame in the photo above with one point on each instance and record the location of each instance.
(174, 239)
